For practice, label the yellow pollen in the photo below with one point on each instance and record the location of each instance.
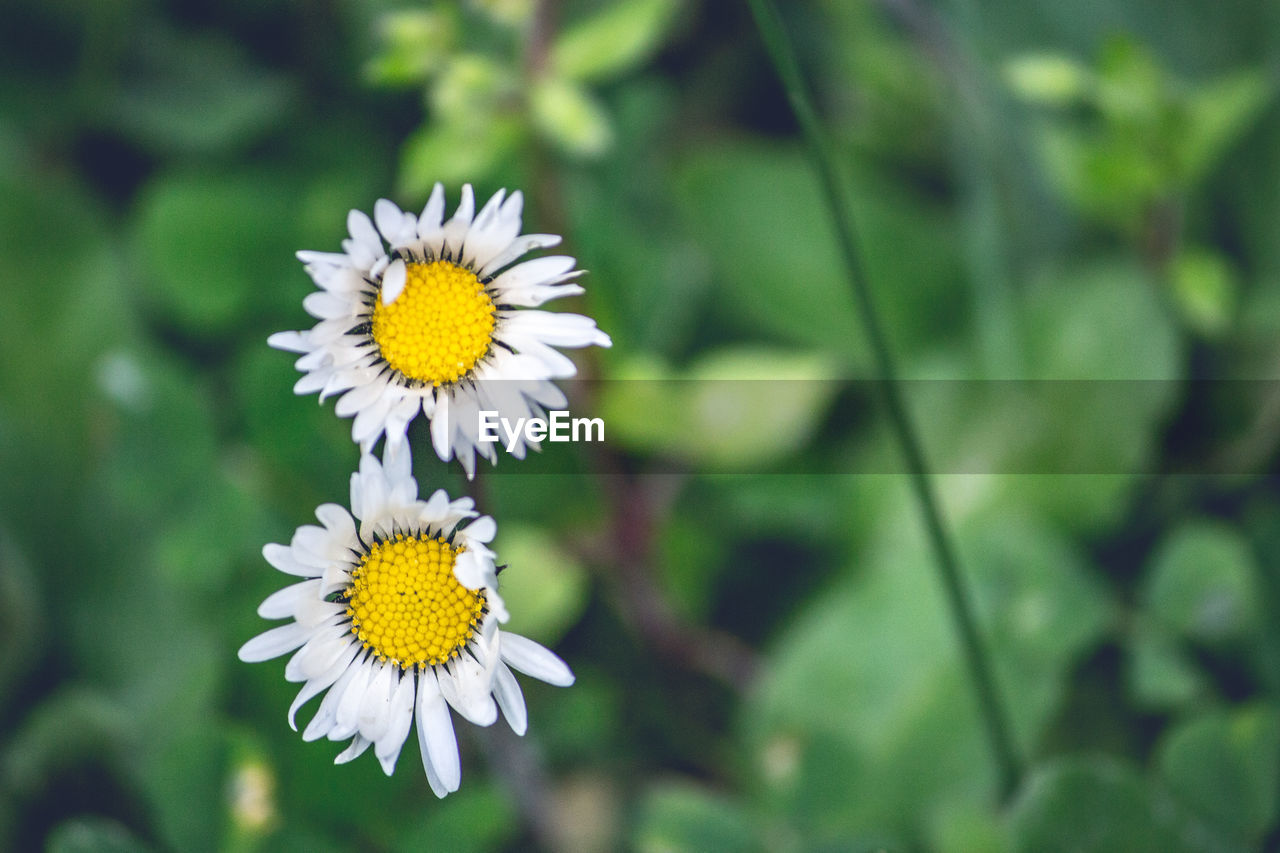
(439, 326)
(406, 605)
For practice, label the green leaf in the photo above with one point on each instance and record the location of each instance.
(1205, 290)
(93, 834)
(182, 765)
(570, 117)
(23, 614)
(1047, 78)
(544, 586)
(732, 409)
(477, 818)
(680, 817)
(457, 152)
(611, 40)
(72, 725)
(1223, 765)
(470, 86)
(755, 210)
(1218, 115)
(415, 44)
(191, 93)
(1100, 396)
(1202, 583)
(1160, 674)
(1078, 804)
(869, 692)
(214, 248)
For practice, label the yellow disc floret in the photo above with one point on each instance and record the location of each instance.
(439, 326)
(406, 604)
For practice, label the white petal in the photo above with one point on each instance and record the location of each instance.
(518, 248)
(432, 217)
(436, 740)
(552, 269)
(440, 428)
(389, 219)
(510, 699)
(465, 687)
(557, 329)
(375, 709)
(322, 681)
(455, 230)
(528, 657)
(282, 558)
(399, 721)
(481, 530)
(319, 655)
(275, 642)
(360, 397)
(282, 602)
(393, 281)
(473, 571)
(289, 342)
(357, 748)
(363, 232)
(346, 717)
(337, 521)
(314, 545)
(371, 421)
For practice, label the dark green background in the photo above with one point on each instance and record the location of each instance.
(1045, 190)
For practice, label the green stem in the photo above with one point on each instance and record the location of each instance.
(976, 656)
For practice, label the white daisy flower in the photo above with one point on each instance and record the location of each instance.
(438, 319)
(397, 618)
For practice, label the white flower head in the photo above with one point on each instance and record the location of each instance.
(426, 315)
(395, 619)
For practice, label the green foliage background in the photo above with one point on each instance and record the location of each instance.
(1045, 190)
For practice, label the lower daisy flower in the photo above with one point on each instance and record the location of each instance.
(426, 315)
(397, 619)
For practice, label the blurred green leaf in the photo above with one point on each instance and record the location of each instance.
(543, 585)
(415, 44)
(1104, 393)
(1088, 804)
(23, 615)
(1218, 115)
(457, 152)
(214, 247)
(476, 818)
(192, 93)
(612, 40)
(58, 328)
(756, 211)
(568, 115)
(1046, 78)
(1201, 583)
(869, 687)
(1205, 290)
(470, 87)
(731, 409)
(1042, 607)
(1160, 674)
(93, 834)
(1223, 765)
(680, 817)
(73, 725)
(188, 765)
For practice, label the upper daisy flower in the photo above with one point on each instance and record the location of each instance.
(398, 619)
(424, 314)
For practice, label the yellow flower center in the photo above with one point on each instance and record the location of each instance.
(406, 605)
(439, 326)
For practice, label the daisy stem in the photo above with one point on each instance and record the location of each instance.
(782, 55)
